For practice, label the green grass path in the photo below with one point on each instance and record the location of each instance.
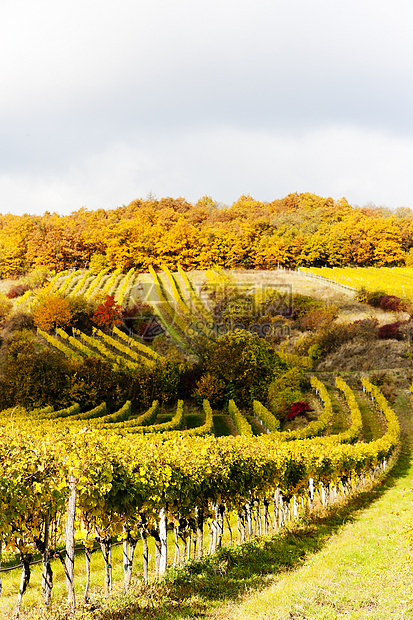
(362, 568)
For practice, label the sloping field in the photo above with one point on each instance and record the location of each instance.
(392, 280)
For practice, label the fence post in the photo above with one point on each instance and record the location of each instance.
(164, 542)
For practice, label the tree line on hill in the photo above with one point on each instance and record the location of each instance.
(300, 229)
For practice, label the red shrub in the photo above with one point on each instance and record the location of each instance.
(17, 291)
(391, 303)
(108, 313)
(390, 331)
(298, 408)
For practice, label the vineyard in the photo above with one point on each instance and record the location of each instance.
(86, 477)
(390, 280)
(162, 481)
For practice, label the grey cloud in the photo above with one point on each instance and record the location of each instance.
(85, 83)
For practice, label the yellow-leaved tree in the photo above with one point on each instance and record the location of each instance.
(52, 311)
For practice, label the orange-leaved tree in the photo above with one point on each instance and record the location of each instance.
(52, 311)
(107, 313)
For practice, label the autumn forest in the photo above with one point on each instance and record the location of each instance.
(298, 230)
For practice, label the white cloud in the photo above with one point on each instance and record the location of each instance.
(225, 163)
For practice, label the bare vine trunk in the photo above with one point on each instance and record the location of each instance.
(106, 547)
(220, 524)
(241, 527)
(266, 517)
(88, 559)
(249, 520)
(157, 539)
(176, 540)
(276, 509)
(145, 554)
(128, 554)
(229, 527)
(47, 573)
(24, 581)
(163, 561)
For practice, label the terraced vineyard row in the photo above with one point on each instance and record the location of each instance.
(124, 482)
(120, 350)
(89, 285)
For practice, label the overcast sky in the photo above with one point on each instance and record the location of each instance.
(102, 102)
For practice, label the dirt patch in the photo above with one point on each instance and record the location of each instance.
(298, 283)
(356, 311)
(374, 355)
(5, 285)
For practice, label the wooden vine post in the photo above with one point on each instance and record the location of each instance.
(164, 542)
(70, 542)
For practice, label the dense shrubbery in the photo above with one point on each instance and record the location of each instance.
(325, 340)
(366, 329)
(5, 308)
(380, 299)
(392, 303)
(239, 366)
(284, 390)
(330, 335)
(35, 376)
(390, 331)
(304, 305)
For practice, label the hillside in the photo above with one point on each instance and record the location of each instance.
(249, 356)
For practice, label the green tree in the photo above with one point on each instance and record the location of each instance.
(244, 363)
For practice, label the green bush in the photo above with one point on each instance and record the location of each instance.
(314, 352)
(82, 312)
(167, 380)
(317, 319)
(372, 298)
(211, 388)
(34, 378)
(244, 363)
(285, 390)
(304, 304)
(331, 336)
